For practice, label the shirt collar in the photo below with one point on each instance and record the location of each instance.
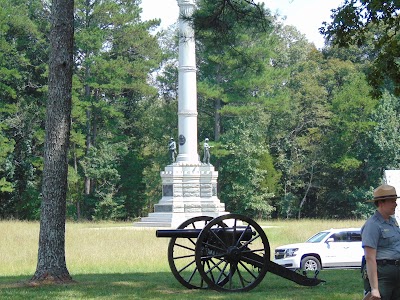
(382, 220)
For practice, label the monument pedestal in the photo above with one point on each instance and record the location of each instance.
(188, 190)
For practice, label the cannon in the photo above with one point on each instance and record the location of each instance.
(229, 253)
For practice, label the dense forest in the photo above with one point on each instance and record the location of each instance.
(297, 132)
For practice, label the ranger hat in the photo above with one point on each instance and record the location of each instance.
(384, 192)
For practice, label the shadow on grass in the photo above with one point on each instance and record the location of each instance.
(341, 284)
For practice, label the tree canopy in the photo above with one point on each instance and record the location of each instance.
(295, 130)
(373, 22)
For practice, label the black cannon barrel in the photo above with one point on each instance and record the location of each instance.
(194, 233)
(181, 233)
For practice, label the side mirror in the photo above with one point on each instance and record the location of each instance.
(330, 240)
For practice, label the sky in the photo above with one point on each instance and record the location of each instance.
(306, 15)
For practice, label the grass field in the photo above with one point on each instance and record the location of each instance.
(118, 261)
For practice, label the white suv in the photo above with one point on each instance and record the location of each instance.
(328, 248)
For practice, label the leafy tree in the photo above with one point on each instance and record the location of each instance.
(114, 55)
(101, 164)
(348, 146)
(245, 187)
(219, 19)
(385, 134)
(296, 132)
(22, 66)
(230, 48)
(353, 24)
(234, 79)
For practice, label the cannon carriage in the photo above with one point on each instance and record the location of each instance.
(228, 253)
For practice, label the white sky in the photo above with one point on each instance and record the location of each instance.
(306, 15)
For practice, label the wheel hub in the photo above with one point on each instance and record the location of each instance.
(234, 254)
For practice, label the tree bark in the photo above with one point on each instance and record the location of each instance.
(88, 189)
(217, 119)
(306, 193)
(51, 266)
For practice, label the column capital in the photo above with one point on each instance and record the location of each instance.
(186, 2)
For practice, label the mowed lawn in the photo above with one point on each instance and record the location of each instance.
(120, 261)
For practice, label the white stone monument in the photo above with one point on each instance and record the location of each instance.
(392, 177)
(189, 187)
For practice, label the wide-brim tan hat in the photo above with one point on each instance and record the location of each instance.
(384, 192)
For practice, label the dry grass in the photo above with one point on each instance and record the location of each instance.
(18, 247)
(120, 247)
(90, 248)
(117, 261)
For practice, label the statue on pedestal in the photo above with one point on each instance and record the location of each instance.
(172, 150)
(206, 147)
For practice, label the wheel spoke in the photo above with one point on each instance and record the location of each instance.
(218, 238)
(248, 270)
(185, 267)
(183, 256)
(222, 273)
(192, 275)
(242, 235)
(215, 266)
(210, 270)
(241, 278)
(250, 241)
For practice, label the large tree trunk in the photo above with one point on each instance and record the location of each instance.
(51, 266)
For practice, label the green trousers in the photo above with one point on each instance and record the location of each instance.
(388, 281)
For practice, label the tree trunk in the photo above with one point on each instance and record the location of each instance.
(51, 266)
(78, 201)
(217, 119)
(306, 193)
(88, 182)
(88, 145)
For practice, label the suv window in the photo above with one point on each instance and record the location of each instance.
(340, 236)
(347, 236)
(318, 237)
(355, 236)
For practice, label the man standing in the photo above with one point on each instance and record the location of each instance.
(381, 243)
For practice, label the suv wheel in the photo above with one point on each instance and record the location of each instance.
(310, 263)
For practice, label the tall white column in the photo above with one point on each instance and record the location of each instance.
(187, 87)
(189, 188)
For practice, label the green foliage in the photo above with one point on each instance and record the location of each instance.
(101, 165)
(353, 24)
(348, 145)
(385, 132)
(114, 55)
(6, 147)
(295, 131)
(243, 173)
(22, 65)
(109, 208)
(221, 18)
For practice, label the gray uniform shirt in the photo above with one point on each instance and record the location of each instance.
(384, 236)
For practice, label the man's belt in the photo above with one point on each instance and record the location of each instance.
(382, 262)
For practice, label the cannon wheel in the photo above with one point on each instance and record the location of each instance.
(181, 255)
(229, 262)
